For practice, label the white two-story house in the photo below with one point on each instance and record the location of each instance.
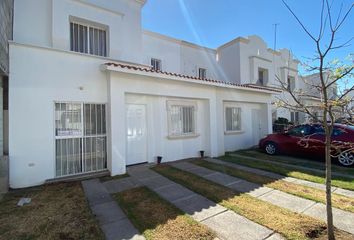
(91, 91)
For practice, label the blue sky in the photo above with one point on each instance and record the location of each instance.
(213, 22)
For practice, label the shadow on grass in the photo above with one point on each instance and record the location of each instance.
(157, 218)
(289, 224)
(302, 161)
(291, 171)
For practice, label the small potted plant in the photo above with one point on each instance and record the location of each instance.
(159, 159)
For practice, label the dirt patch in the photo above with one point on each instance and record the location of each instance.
(57, 211)
(158, 219)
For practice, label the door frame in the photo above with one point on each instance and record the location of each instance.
(126, 135)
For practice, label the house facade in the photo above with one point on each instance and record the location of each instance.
(6, 17)
(90, 90)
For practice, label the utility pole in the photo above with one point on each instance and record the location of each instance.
(275, 35)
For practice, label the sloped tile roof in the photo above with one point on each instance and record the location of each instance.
(151, 70)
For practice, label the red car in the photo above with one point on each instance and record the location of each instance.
(309, 140)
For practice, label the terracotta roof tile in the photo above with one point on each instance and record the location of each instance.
(146, 69)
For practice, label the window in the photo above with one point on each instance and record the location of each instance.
(294, 116)
(181, 119)
(80, 138)
(262, 77)
(202, 73)
(291, 83)
(300, 131)
(232, 119)
(156, 64)
(318, 129)
(88, 39)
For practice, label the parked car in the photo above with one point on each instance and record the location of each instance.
(309, 140)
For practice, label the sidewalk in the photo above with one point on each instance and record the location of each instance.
(113, 222)
(342, 220)
(320, 186)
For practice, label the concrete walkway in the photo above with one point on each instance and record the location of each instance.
(113, 222)
(342, 220)
(320, 186)
(225, 223)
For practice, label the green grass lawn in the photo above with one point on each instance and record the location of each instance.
(159, 219)
(310, 163)
(291, 171)
(317, 195)
(291, 225)
(57, 211)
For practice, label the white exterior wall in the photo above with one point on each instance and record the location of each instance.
(179, 56)
(160, 47)
(33, 87)
(128, 88)
(193, 58)
(51, 26)
(229, 60)
(54, 75)
(43, 70)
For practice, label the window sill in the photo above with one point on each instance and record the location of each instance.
(233, 132)
(183, 136)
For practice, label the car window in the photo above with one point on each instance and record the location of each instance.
(300, 131)
(337, 132)
(318, 129)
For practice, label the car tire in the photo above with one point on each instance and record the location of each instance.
(346, 159)
(271, 148)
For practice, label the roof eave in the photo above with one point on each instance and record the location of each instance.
(148, 73)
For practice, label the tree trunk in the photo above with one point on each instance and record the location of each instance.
(330, 227)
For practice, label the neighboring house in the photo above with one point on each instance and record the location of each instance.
(242, 61)
(6, 17)
(90, 90)
(311, 96)
(349, 109)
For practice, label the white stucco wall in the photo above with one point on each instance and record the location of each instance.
(160, 47)
(155, 92)
(193, 58)
(179, 56)
(51, 26)
(229, 59)
(33, 87)
(54, 75)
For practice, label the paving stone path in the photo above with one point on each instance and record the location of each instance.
(320, 186)
(227, 224)
(113, 222)
(342, 220)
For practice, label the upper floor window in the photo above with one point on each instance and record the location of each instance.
(156, 64)
(88, 39)
(291, 82)
(262, 77)
(202, 73)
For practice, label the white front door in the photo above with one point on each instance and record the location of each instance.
(256, 126)
(136, 134)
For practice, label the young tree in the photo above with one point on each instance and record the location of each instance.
(330, 73)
